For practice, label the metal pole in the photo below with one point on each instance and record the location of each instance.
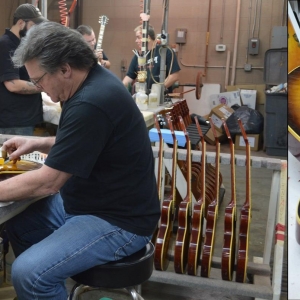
(44, 7)
(163, 52)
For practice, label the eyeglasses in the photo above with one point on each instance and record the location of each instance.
(36, 82)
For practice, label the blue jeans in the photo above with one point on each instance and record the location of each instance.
(51, 246)
(18, 130)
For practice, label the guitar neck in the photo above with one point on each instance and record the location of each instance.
(203, 168)
(100, 37)
(248, 176)
(189, 171)
(217, 174)
(233, 190)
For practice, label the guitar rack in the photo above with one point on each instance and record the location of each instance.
(262, 287)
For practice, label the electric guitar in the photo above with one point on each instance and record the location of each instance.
(229, 240)
(212, 215)
(184, 213)
(198, 215)
(159, 170)
(103, 20)
(245, 218)
(161, 260)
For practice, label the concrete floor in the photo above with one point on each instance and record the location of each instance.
(261, 186)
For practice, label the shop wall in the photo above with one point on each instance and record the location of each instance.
(119, 37)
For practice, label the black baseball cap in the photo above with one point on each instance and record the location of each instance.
(29, 12)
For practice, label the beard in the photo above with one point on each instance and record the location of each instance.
(23, 31)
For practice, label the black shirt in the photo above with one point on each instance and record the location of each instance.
(153, 62)
(16, 110)
(103, 141)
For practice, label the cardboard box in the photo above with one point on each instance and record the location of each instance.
(210, 138)
(254, 141)
(227, 98)
(260, 88)
(248, 98)
(218, 113)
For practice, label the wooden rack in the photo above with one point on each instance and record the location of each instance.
(262, 287)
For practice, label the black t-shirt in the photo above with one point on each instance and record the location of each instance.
(16, 110)
(154, 56)
(103, 141)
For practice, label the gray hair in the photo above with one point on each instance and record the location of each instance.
(54, 45)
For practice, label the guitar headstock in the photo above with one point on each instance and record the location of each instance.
(103, 20)
(163, 120)
(244, 134)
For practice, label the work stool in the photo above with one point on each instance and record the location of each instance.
(127, 273)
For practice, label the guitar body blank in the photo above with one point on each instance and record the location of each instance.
(242, 255)
(161, 260)
(182, 237)
(294, 100)
(293, 78)
(208, 247)
(196, 238)
(228, 251)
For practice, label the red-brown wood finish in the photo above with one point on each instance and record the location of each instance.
(245, 218)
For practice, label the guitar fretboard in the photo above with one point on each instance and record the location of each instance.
(100, 37)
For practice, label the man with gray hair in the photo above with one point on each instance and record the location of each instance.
(99, 197)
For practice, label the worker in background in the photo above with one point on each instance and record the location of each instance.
(89, 35)
(20, 100)
(153, 62)
(100, 197)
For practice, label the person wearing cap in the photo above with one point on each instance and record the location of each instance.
(20, 100)
(89, 36)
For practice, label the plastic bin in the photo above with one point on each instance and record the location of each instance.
(275, 72)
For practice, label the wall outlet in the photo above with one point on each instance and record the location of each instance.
(247, 67)
(220, 48)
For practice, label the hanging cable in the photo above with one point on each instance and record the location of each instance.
(62, 5)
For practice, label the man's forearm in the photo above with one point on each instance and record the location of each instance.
(21, 87)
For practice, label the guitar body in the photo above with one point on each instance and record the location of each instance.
(196, 238)
(293, 76)
(245, 218)
(161, 260)
(159, 171)
(293, 47)
(208, 247)
(294, 100)
(10, 169)
(182, 238)
(198, 213)
(229, 237)
(242, 255)
(228, 251)
(184, 213)
(211, 215)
